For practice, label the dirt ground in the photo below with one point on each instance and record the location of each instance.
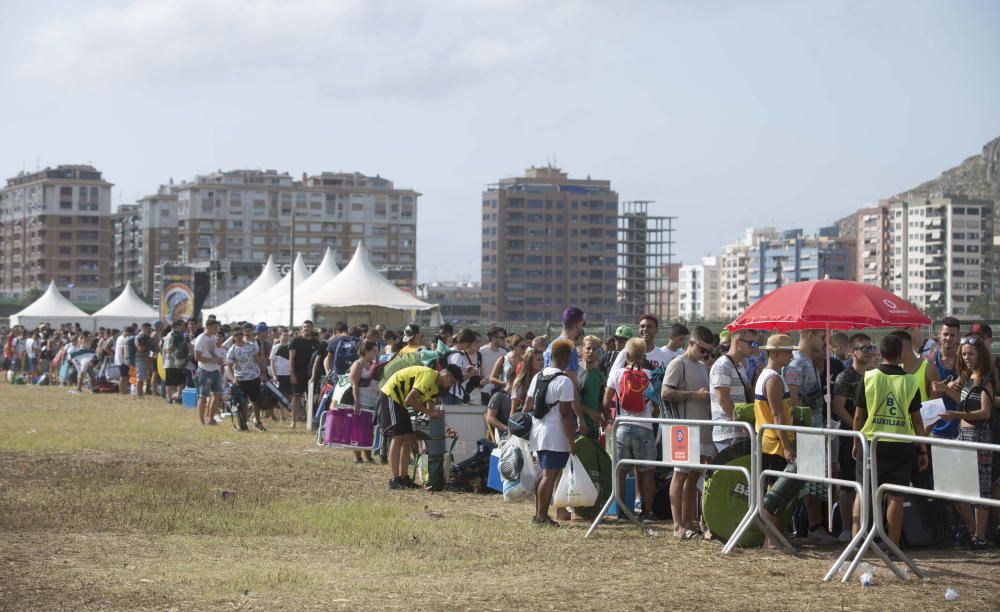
(116, 503)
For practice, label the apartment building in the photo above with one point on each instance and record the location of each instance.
(549, 241)
(874, 240)
(127, 248)
(700, 290)
(158, 220)
(795, 257)
(942, 251)
(734, 266)
(55, 226)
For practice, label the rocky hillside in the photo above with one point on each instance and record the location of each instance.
(977, 176)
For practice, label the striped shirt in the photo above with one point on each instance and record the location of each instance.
(421, 378)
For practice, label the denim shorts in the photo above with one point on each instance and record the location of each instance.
(636, 442)
(141, 369)
(552, 460)
(209, 382)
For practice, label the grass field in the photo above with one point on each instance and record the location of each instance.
(116, 503)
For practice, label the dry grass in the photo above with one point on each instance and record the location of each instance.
(114, 503)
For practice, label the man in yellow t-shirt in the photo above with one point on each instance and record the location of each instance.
(415, 387)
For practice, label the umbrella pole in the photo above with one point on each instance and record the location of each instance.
(829, 440)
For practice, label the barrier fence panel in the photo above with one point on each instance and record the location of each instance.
(955, 479)
(680, 439)
(812, 461)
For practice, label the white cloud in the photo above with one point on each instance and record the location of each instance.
(349, 47)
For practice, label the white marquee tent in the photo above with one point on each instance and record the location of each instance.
(324, 273)
(52, 308)
(359, 294)
(268, 278)
(124, 310)
(273, 303)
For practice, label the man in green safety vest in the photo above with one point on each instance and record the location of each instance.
(889, 402)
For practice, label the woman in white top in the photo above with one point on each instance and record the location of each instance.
(363, 387)
(504, 369)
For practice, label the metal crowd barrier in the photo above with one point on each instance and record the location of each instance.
(956, 479)
(691, 432)
(812, 463)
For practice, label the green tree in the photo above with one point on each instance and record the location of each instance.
(935, 311)
(982, 306)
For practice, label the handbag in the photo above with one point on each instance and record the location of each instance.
(343, 394)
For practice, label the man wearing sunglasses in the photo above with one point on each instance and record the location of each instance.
(845, 389)
(729, 385)
(686, 385)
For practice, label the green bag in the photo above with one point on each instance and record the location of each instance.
(743, 411)
(598, 466)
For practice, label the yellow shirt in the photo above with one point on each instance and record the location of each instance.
(409, 349)
(421, 378)
(770, 442)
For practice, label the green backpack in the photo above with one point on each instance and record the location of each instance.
(598, 466)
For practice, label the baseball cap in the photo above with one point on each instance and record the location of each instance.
(983, 329)
(410, 331)
(571, 316)
(261, 328)
(624, 332)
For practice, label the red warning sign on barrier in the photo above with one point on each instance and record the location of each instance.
(679, 443)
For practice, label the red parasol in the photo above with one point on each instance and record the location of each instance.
(829, 304)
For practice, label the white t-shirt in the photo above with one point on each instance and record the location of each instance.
(490, 358)
(656, 357)
(615, 383)
(671, 353)
(281, 365)
(205, 345)
(547, 432)
(120, 357)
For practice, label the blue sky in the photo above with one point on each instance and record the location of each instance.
(727, 114)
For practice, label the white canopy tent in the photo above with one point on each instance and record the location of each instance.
(273, 303)
(124, 310)
(268, 278)
(359, 294)
(52, 308)
(322, 275)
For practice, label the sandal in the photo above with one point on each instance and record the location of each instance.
(691, 534)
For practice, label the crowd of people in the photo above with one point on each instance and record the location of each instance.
(574, 385)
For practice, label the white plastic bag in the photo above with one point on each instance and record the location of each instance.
(575, 489)
(524, 486)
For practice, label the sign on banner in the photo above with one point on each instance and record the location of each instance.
(681, 443)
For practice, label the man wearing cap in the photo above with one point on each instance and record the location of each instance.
(889, 402)
(772, 404)
(413, 339)
(623, 334)
(572, 330)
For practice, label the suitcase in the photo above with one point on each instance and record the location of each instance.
(272, 389)
(925, 521)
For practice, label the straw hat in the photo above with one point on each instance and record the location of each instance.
(779, 342)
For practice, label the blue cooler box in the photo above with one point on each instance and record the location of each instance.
(494, 481)
(189, 397)
(628, 496)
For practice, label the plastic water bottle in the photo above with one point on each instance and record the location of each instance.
(950, 594)
(867, 579)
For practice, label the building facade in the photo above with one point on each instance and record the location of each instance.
(874, 240)
(942, 252)
(549, 241)
(55, 226)
(734, 267)
(700, 291)
(459, 302)
(795, 257)
(127, 249)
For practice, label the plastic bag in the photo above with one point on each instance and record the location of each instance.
(575, 489)
(423, 469)
(523, 487)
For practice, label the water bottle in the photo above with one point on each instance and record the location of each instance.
(867, 579)
(950, 594)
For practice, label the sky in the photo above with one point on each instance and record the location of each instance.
(727, 114)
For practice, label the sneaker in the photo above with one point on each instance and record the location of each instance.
(845, 536)
(260, 426)
(396, 484)
(408, 483)
(977, 544)
(818, 534)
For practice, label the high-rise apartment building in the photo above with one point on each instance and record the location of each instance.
(874, 239)
(127, 248)
(55, 226)
(158, 220)
(699, 289)
(942, 252)
(734, 264)
(549, 241)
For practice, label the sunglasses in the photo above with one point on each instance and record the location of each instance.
(701, 349)
(864, 349)
(753, 343)
(970, 340)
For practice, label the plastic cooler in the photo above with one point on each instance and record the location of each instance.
(189, 397)
(628, 496)
(494, 481)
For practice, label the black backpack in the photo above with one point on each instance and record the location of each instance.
(345, 354)
(541, 389)
(142, 342)
(519, 424)
(179, 348)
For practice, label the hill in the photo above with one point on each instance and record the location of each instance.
(977, 176)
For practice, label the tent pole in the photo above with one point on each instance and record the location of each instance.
(829, 441)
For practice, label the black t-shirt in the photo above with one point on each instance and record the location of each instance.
(846, 386)
(304, 349)
(861, 401)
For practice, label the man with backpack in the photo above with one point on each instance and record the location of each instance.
(341, 351)
(143, 350)
(175, 356)
(550, 399)
(627, 390)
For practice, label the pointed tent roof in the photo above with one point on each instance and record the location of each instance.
(128, 307)
(274, 300)
(324, 273)
(51, 307)
(360, 284)
(268, 278)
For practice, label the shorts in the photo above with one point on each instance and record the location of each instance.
(285, 384)
(175, 377)
(209, 382)
(124, 372)
(636, 442)
(896, 461)
(141, 369)
(250, 388)
(395, 419)
(983, 459)
(552, 460)
(777, 463)
(301, 383)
